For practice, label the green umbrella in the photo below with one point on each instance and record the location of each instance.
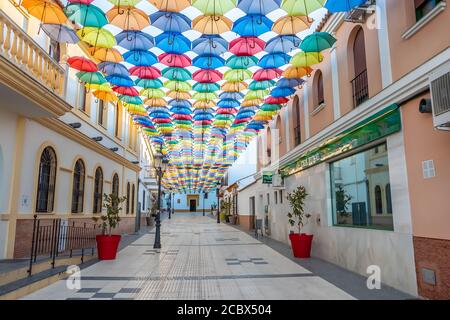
(130, 100)
(86, 15)
(206, 87)
(306, 59)
(178, 85)
(205, 96)
(256, 94)
(317, 42)
(261, 85)
(301, 7)
(237, 62)
(178, 74)
(237, 75)
(91, 77)
(152, 93)
(270, 107)
(214, 7)
(149, 83)
(97, 37)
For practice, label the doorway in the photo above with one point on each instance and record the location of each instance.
(192, 205)
(252, 212)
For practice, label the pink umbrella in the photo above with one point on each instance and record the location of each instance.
(267, 74)
(81, 1)
(246, 46)
(274, 100)
(175, 60)
(145, 72)
(182, 117)
(207, 76)
(128, 91)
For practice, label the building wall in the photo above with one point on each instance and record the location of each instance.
(181, 204)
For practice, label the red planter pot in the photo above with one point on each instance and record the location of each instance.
(107, 246)
(301, 244)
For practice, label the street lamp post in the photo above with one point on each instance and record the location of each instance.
(218, 204)
(160, 166)
(170, 207)
(204, 193)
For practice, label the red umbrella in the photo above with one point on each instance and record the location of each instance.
(82, 64)
(202, 122)
(175, 60)
(207, 76)
(226, 111)
(238, 121)
(145, 72)
(278, 100)
(128, 91)
(267, 74)
(246, 46)
(161, 120)
(182, 117)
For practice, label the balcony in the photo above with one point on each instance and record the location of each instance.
(360, 87)
(31, 82)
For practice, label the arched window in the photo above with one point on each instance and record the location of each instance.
(388, 199)
(132, 199)
(269, 145)
(98, 190)
(319, 89)
(360, 84)
(78, 186)
(296, 120)
(115, 184)
(46, 181)
(378, 200)
(128, 198)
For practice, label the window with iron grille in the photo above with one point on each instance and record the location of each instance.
(128, 199)
(360, 83)
(46, 181)
(98, 190)
(78, 187)
(423, 7)
(132, 199)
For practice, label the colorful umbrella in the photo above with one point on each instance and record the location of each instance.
(128, 18)
(145, 72)
(294, 72)
(171, 5)
(252, 25)
(258, 6)
(241, 62)
(210, 44)
(306, 59)
(178, 85)
(105, 96)
(206, 87)
(291, 25)
(91, 77)
(214, 7)
(212, 24)
(112, 68)
(246, 46)
(135, 40)
(82, 64)
(173, 42)
(106, 54)
(237, 75)
(208, 62)
(267, 74)
(207, 76)
(301, 7)
(170, 21)
(260, 85)
(47, 11)
(178, 74)
(86, 15)
(120, 81)
(60, 33)
(342, 5)
(140, 58)
(274, 60)
(283, 43)
(234, 86)
(317, 42)
(149, 83)
(97, 37)
(129, 91)
(175, 60)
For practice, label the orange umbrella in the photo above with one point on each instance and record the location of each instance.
(291, 24)
(203, 104)
(105, 96)
(212, 24)
(156, 102)
(128, 18)
(251, 103)
(47, 11)
(106, 54)
(294, 72)
(179, 95)
(171, 5)
(234, 86)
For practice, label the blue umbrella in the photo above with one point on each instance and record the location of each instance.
(274, 60)
(252, 25)
(203, 116)
(206, 87)
(261, 85)
(129, 99)
(120, 81)
(282, 92)
(208, 110)
(210, 44)
(290, 82)
(179, 103)
(258, 6)
(60, 33)
(159, 114)
(284, 43)
(208, 62)
(180, 110)
(231, 95)
(135, 40)
(112, 68)
(228, 103)
(173, 42)
(342, 5)
(170, 21)
(140, 58)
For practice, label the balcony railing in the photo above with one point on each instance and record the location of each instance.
(20, 49)
(360, 86)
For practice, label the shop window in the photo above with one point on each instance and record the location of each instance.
(423, 7)
(98, 190)
(78, 187)
(46, 181)
(356, 190)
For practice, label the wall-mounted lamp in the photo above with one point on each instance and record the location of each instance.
(114, 149)
(97, 139)
(425, 106)
(135, 162)
(75, 125)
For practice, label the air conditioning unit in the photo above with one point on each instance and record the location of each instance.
(359, 14)
(440, 97)
(277, 181)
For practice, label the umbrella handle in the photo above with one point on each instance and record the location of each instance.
(17, 5)
(121, 12)
(170, 59)
(131, 39)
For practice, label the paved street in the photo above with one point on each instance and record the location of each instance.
(199, 260)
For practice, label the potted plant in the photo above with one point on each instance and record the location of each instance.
(107, 243)
(301, 242)
(225, 209)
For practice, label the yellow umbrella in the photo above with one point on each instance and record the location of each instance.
(171, 5)
(179, 95)
(97, 37)
(262, 118)
(234, 86)
(47, 11)
(106, 54)
(294, 72)
(212, 24)
(203, 104)
(251, 103)
(306, 59)
(135, 109)
(102, 87)
(291, 24)
(128, 18)
(156, 102)
(105, 96)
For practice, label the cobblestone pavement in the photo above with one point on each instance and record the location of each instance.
(199, 259)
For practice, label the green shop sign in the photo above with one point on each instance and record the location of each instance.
(377, 126)
(267, 177)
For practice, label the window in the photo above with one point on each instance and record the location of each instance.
(268, 199)
(115, 184)
(319, 89)
(98, 190)
(78, 187)
(388, 199)
(132, 199)
(296, 116)
(101, 118)
(360, 84)
(54, 50)
(118, 125)
(423, 7)
(143, 199)
(128, 199)
(82, 98)
(356, 190)
(269, 145)
(206, 196)
(281, 196)
(46, 181)
(275, 195)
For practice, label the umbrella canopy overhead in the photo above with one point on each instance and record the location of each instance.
(198, 88)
